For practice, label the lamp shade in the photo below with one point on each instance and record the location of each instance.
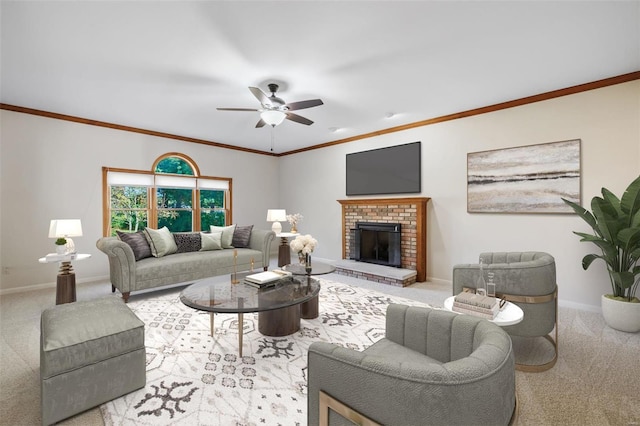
(276, 215)
(61, 228)
(272, 117)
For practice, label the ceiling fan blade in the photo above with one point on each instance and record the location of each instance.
(260, 123)
(260, 95)
(236, 109)
(304, 104)
(298, 119)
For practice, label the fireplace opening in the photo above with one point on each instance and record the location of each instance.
(377, 243)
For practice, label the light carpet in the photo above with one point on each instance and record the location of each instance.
(196, 379)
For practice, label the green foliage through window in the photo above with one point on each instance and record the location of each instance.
(174, 165)
(131, 209)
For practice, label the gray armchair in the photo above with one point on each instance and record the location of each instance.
(432, 367)
(527, 279)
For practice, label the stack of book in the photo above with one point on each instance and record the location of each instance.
(475, 304)
(266, 278)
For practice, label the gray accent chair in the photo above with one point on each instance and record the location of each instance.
(433, 367)
(90, 352)
(527, 279)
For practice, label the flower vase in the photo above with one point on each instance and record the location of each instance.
(294, 230)
(301, 258)
(307, 264)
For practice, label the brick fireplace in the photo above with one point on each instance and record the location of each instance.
(410, 212)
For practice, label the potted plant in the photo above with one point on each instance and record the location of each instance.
(616, 226)
(61, 245)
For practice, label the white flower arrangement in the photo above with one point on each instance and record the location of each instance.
(304, 244)
(293, 219)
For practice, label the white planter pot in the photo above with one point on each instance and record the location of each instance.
(623, 316)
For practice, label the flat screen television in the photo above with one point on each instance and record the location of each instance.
(390, 170)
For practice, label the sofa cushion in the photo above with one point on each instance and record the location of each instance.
(187, 241)
(212, 241)
(241, 236)
(138, 243)
(161, 241)
(227, 234)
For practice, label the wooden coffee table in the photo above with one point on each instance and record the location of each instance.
(278, 306)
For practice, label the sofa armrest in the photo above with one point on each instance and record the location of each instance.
(122, 263)
(261, 240)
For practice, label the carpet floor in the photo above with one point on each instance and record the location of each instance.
(596, 380)
(196, 379)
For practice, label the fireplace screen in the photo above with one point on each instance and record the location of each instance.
(376, 243)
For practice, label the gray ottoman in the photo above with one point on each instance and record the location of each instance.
(90, 352)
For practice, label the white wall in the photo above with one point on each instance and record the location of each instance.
(52, 169)
(606, 120)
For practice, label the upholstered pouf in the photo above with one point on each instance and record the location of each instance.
(90, 352)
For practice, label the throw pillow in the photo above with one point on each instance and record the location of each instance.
(137, 242)
(161, 241)
(187, 241)
(212, 241)
(241, 236)
(227, 234)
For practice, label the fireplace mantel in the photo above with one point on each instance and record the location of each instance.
(411, 212)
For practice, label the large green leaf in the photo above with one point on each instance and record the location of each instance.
(613, 201)
(607, 218)
(629, 238)
(588, 260)
(624, 279)
(584, 214)
(630, 202)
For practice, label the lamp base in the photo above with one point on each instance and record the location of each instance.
(276, 227)
(71, 247)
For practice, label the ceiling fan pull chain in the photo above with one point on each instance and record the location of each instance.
(272, 130)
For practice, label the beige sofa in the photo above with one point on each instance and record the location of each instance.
(129, 275)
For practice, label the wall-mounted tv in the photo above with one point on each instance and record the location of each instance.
(390, 170)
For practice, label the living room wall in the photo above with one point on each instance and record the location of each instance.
(52, 169)
(607, 121)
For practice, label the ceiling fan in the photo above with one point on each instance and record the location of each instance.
(274, 110)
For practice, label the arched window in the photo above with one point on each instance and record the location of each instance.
(172, 194)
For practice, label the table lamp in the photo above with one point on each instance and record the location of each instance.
(65, 228)
(275, 216)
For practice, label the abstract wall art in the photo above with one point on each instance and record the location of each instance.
(526, 179)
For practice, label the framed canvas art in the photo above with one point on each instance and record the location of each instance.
(526, 179)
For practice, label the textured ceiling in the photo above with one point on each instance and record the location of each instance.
(165, 66)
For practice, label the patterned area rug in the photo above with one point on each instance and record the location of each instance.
(194, 379)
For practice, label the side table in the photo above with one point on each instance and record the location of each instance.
(66, 281)
(284, 252)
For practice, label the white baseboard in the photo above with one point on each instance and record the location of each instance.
(50, 285)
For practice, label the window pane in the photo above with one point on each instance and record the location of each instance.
(176, 220)
(211, 217)
(128, 197)
(173, 198)
(210, 199)
(128, 220)
(174, 165)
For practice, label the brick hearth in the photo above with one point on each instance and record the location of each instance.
(410, 212)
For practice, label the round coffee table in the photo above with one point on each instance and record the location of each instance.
(278, 306)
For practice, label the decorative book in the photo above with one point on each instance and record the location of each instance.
(266, 277)
(475, 304)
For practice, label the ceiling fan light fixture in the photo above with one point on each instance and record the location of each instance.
(272, 117)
